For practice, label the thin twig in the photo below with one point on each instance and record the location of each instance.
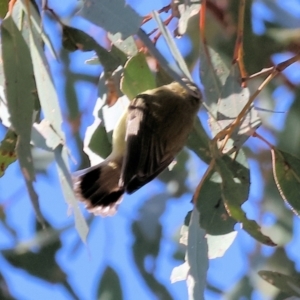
(255, 134)
(149, 17)
(238, 55)
(226, 133)
(202, 22)
(10, 6)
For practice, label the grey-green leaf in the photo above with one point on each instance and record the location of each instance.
(286, 169)
(197, 258)
(115, 16)
(232, 100)
(286, 283)
(20, 89)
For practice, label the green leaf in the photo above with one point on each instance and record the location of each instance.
(99, 142)
(8, 150)
(235, 189)
(75, 39)
(199, 142)
(286, 283)
(110, 286)
(160, 58)
(40, 263)
(104, 13)
(286, 170)
(214, 216)
(135, 69)
(3, 8)
(20, 89)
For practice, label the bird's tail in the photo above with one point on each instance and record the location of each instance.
(98, 187)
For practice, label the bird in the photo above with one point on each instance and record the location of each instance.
(146, 139)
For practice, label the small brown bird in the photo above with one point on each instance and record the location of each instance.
(146, 139)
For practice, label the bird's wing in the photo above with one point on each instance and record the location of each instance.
(145, 155)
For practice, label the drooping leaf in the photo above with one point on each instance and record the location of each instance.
(197, 258)
(110, 286)
(104, 13)
(287, 177)
(19, 90)
(235, 191)
(214, 216)
(41, 262)
(135, 69)
(286, 283)
(49, 103)
(7, 151)
(31, 9)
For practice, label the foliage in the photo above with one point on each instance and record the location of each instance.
(237, 135)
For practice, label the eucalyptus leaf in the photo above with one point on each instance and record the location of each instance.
(19, 90)
(75, 39)
(160, 58)
(50, 105)
(283, 282)
(214, 216)
(213, 74)
(172, 46)
(127, 46)
(287, 177)
(104, 13)
(234, 192)
(197, 258)
(232, 100)
(135, 69)
(186, 11)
